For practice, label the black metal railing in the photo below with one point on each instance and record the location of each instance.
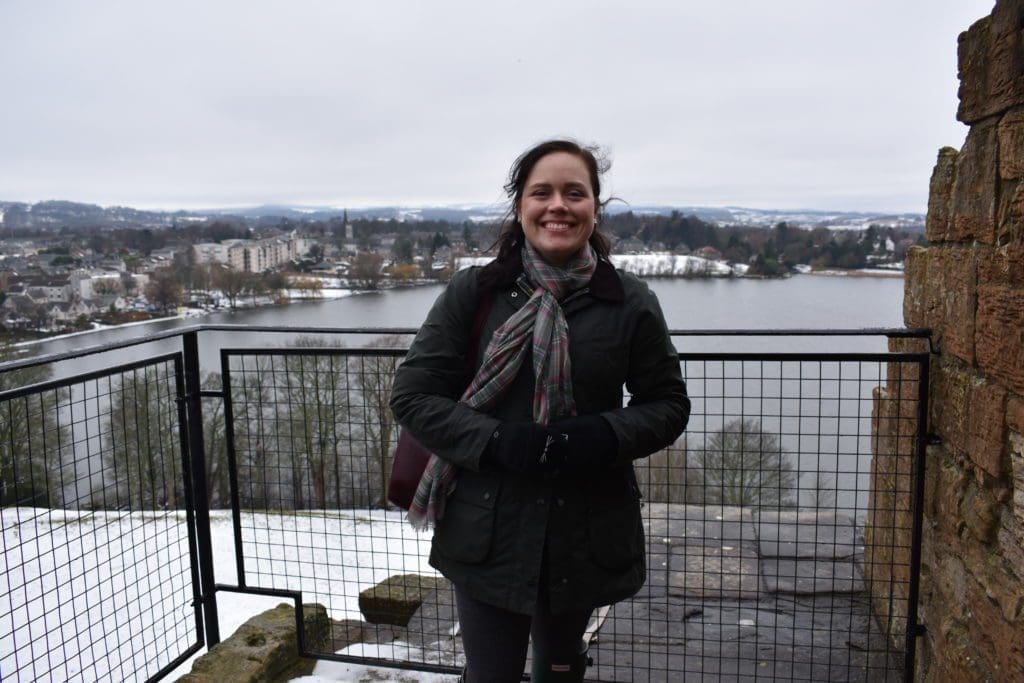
(783, 528)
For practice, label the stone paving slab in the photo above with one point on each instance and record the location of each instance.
(821, 638)
(811, 576)
(730, 595)
(670, 524)
(720, 573)
(806, 534)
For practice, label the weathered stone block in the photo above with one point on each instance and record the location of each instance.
(1015, 414)
(818, 533)
(941, 294)
(714, 572)
(974, 188)
(1001, 265)
(263, 649)
(969, 412)
(951, 580)
(972, 67)
(1010, 213)
(999, 335)
(957, 301)
(981, 513)
(1017, 502)
(950, 653)
(992, 64)
(998, 640)
(915, 288)
(1011, 145)
(944, 512)
(395, 599)
(806, 577)
(938, 222)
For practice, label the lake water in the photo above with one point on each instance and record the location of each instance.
(806, 301)
(821, 410)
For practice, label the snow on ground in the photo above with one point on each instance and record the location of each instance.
(670, 265)
(327, 292)
(96, 595)
(341, 672)
(647, 265)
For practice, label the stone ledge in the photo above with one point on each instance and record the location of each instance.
(264, 649)
(395, 599)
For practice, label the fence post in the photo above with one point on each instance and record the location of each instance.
(197, 455)
(914, 629)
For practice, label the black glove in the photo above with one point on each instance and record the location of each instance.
(525, 447)
(590, 443)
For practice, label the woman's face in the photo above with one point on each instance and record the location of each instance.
(558, 209)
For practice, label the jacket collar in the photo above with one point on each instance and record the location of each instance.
(604, 284)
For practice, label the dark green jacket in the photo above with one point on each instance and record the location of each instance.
(499, 526)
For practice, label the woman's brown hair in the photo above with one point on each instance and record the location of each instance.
(511, 236)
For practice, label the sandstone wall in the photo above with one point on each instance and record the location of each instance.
(968, 287)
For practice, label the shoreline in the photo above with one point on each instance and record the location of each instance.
(334, 293)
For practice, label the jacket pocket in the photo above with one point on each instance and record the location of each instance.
(465, 532)
(614, 526)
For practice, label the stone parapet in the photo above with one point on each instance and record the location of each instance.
(991, 69)
(968, 287)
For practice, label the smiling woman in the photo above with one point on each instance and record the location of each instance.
(531, 489)
(558, 211)
(555, 188)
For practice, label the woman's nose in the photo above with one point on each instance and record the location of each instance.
(557, 202)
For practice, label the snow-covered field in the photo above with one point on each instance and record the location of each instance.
(98, 596)
(648, 265)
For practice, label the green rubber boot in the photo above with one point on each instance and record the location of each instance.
(544, 672)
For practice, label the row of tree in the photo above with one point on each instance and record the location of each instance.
(312, 430)
(770, 251)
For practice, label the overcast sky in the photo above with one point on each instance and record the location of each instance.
(827, 104)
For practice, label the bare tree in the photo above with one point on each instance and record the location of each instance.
(129, 285)
(365, 271)
(218, 486)
(143, 448)
(823, 493)
(33, 445)
(310, 287)
(318, 425)
(231, 282)
(254, 287)
(253, 426)
(164, 290)
(106, 286)
(664, 477)
(743, 465)
(374, 376)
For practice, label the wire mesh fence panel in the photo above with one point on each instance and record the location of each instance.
(312, 437)
(778, 526)
(97, 566)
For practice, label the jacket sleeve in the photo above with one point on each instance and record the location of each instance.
(659, 408)
(429, 382)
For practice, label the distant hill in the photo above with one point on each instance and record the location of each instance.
(58, 214)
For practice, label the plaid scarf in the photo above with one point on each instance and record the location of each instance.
(538, 327)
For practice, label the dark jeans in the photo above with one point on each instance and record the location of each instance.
(496, 640)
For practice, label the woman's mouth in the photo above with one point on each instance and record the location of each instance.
(556, 227)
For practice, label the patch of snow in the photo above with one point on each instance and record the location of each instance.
(662, 264)
(670, 265)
